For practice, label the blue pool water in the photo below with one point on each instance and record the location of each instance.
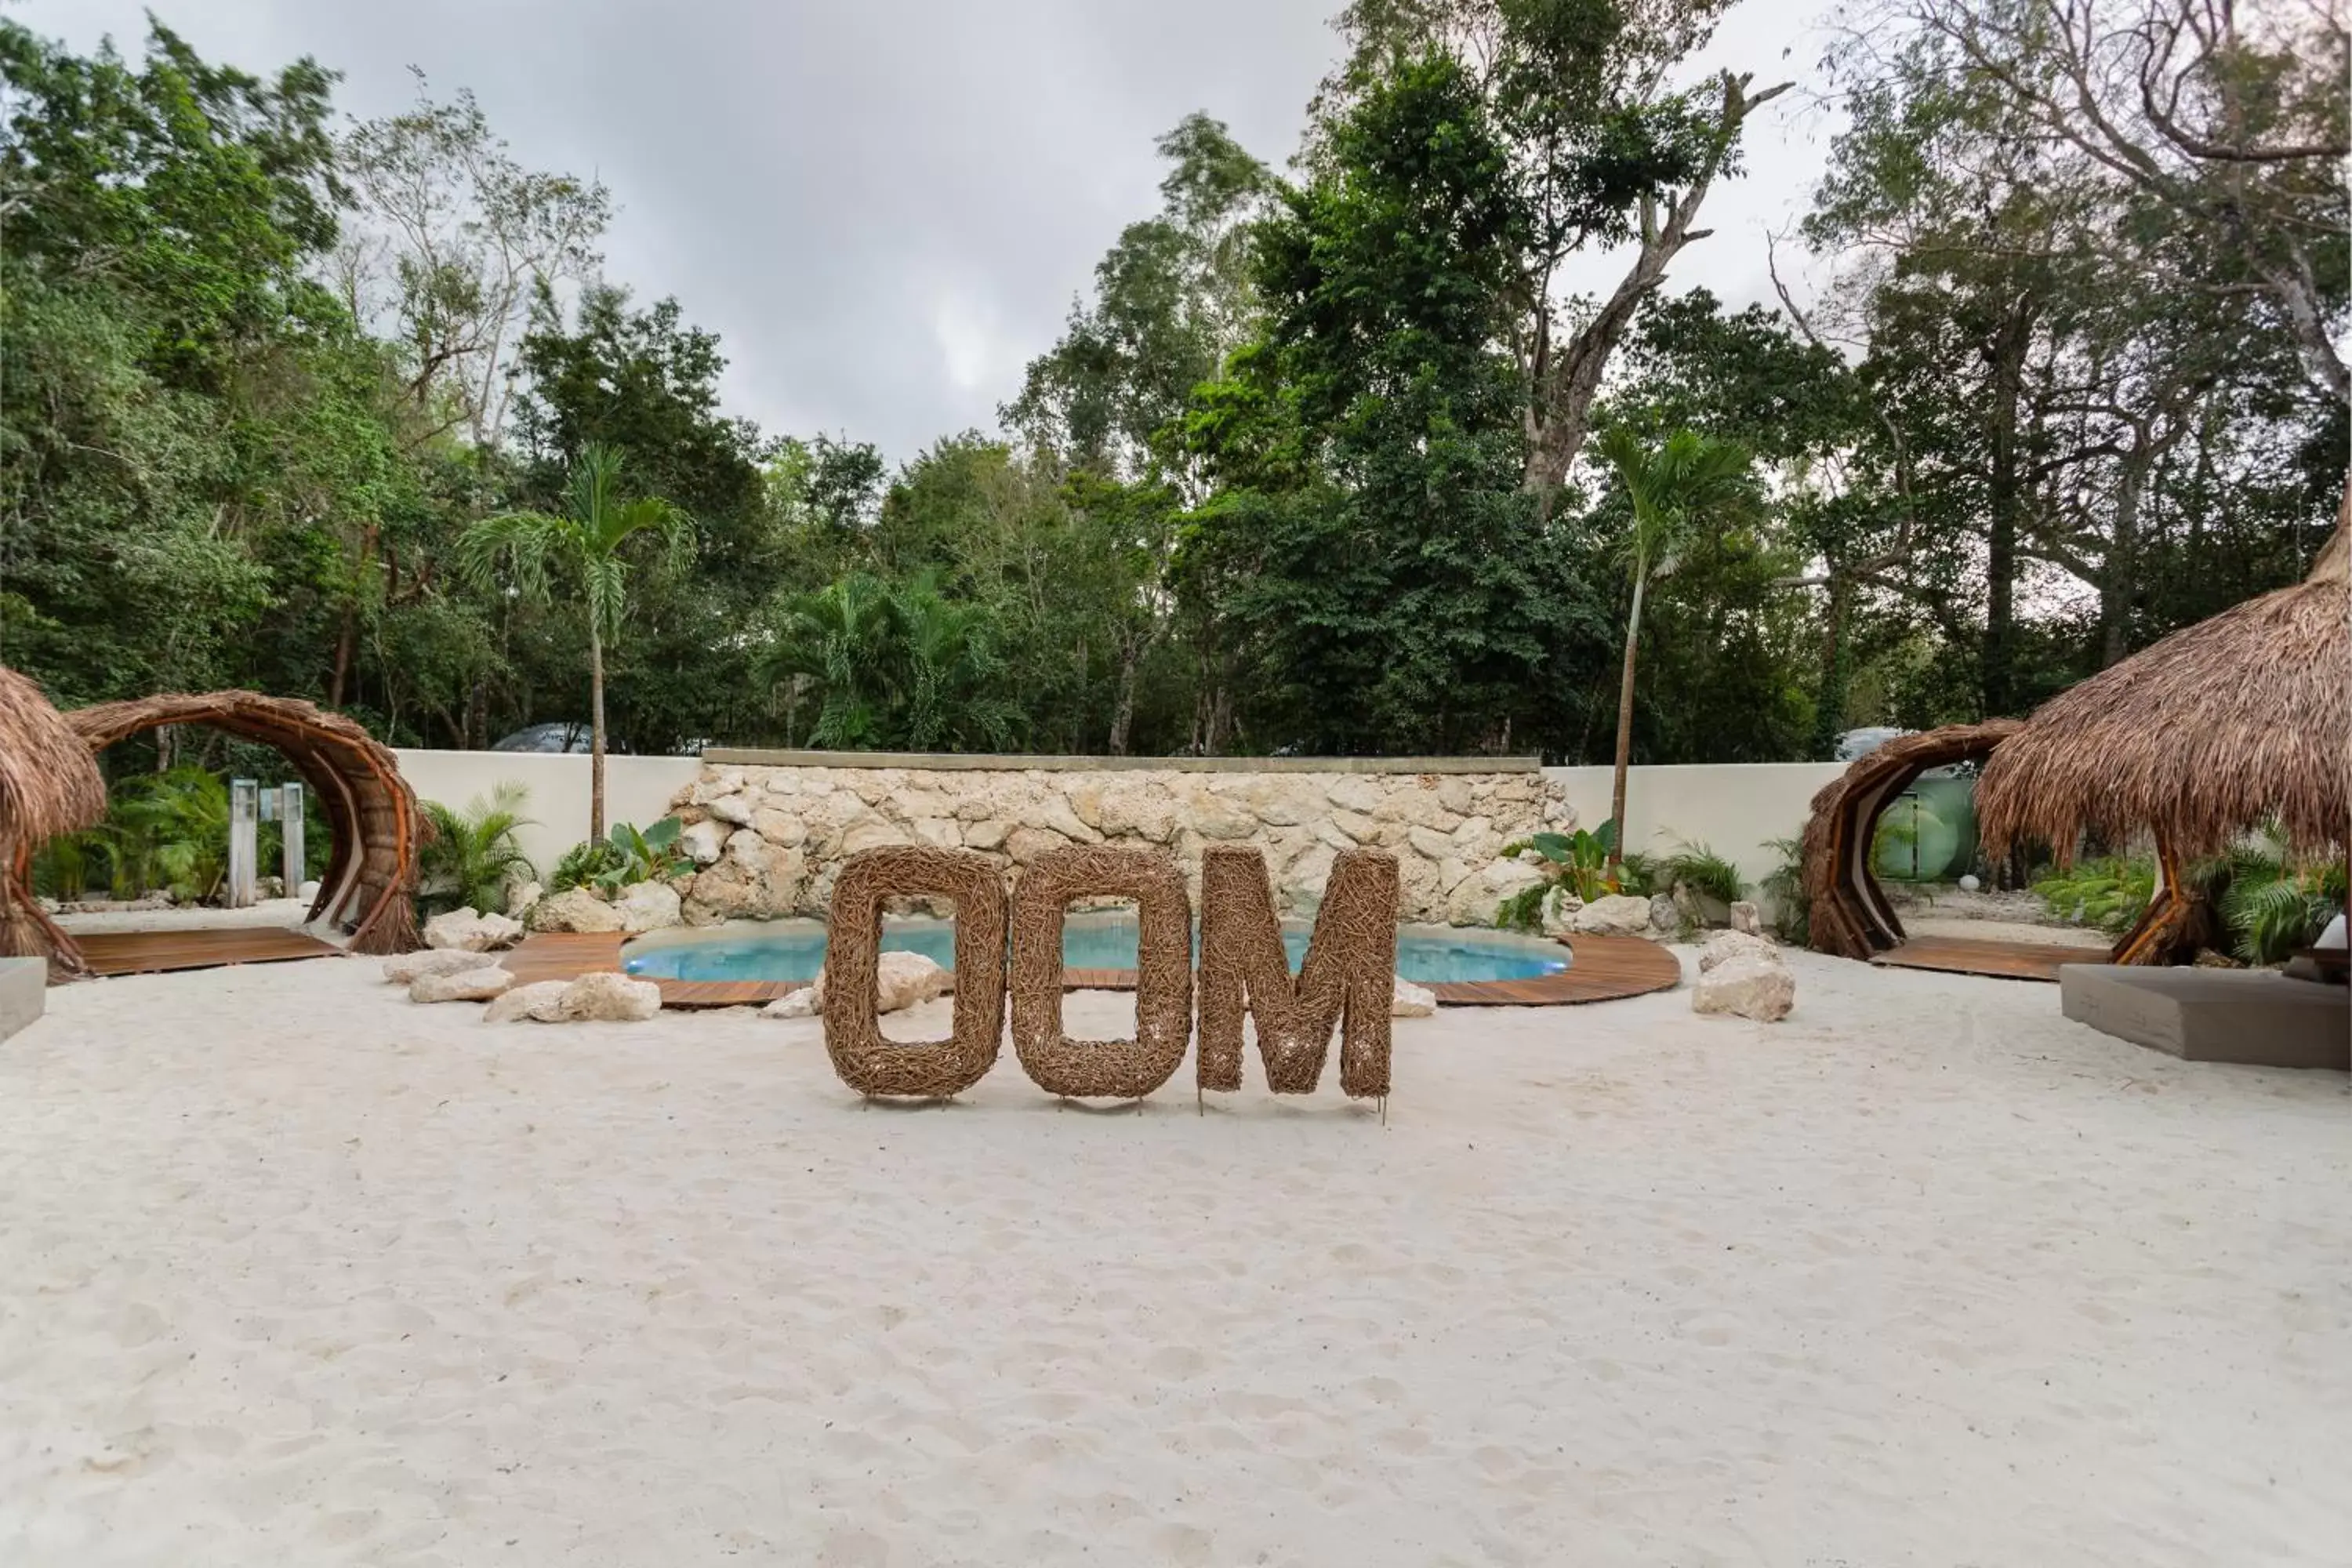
(795, 949)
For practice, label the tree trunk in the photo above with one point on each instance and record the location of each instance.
(2119, 579)
(346, 641)
(596, 730)
(1626, 715)
(1122, 717)
(2006, 498)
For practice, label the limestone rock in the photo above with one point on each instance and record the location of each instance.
(306, 892)
(648, 905)
(472, 932)
(1745, 918)
(539, 1002)
(476, 985)
(1725, 945)
(1472, 900)
(1665, 915)
(522, 897)
(409, 967)
(779, 827)
(607, 997)
(1413, 1001)
(732, 809)
(1750, 987)
(1026, 844)
(1561, 907)
(703, 842)
(901, 980)
(574, 908)
(1619, 914)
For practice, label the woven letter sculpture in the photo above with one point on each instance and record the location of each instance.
(1349, 979)
(1127, 1069)
(853, 1025)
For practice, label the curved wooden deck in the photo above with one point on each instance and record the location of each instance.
(1606, 969)
(1981, 956)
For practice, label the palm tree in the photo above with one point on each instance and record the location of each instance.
(586, 540)
(1672, 489)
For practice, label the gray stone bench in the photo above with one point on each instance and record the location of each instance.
(24, 987)
(2249, 1016)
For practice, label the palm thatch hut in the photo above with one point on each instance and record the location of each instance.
(48, 785)
(2221, 727)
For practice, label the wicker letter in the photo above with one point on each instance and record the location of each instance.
(1349, 978)
(1127, 1069)
(853, 1025)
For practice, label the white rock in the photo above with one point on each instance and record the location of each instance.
(1559, 910)
(1413, 1001)
(1968, 883)
(539, 1002)
(648, 905)
(703, 842)
(607, 997)
(1619, 914)
(1472, 900)
(575, 908)
(1665, 915)
(478, 984)
(522, 897)
(409, 967)
(1750, 987)
(1725, 945)
(306, 892)
(732, 809)
(901, 980)
(803, 1002)
(1744, 917)
(472, 932)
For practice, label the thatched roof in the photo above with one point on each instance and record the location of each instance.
(2201, 736)
(48, 782)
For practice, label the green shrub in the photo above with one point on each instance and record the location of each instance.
(2109, 893)
(1523, 910)
(472, 856)
(622, 857)
(1784, 887)
(1702, 871)
(2273, 907)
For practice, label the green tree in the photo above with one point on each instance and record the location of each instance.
(585, 542)
(1685, 482)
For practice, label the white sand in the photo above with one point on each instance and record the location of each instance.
(292, 1272)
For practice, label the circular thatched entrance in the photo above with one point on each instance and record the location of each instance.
(370, 885)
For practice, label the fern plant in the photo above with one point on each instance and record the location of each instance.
(2110, 894)
(1784, 887)
(1702, 871)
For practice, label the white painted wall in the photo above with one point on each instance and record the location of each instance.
(1732, 808)
(636, 789)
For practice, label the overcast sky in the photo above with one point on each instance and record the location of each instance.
(885, 207)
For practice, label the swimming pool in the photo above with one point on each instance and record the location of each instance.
(795, 949)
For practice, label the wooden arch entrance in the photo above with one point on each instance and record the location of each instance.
(1851, 916)
(370, 884)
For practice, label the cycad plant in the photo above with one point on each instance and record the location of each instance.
(585, 544)
(472, 858)
(1688, 479)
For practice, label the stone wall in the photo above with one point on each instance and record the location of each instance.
(768, 841)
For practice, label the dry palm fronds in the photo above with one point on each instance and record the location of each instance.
(926, 1069)
(1348, 979)
(49, 785)
(2221, 726)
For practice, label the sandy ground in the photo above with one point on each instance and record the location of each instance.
(297, 1273)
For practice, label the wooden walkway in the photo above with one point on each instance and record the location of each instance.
(160, 952)
(1976, 955)
(1605, 969)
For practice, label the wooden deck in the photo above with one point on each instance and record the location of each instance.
(1999, 960)
(160, 952)
(1605, 969)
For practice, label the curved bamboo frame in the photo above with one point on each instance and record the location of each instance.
(372, 814)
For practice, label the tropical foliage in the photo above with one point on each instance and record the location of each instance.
(622, 858)
(1344, 451)
(473, 858)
